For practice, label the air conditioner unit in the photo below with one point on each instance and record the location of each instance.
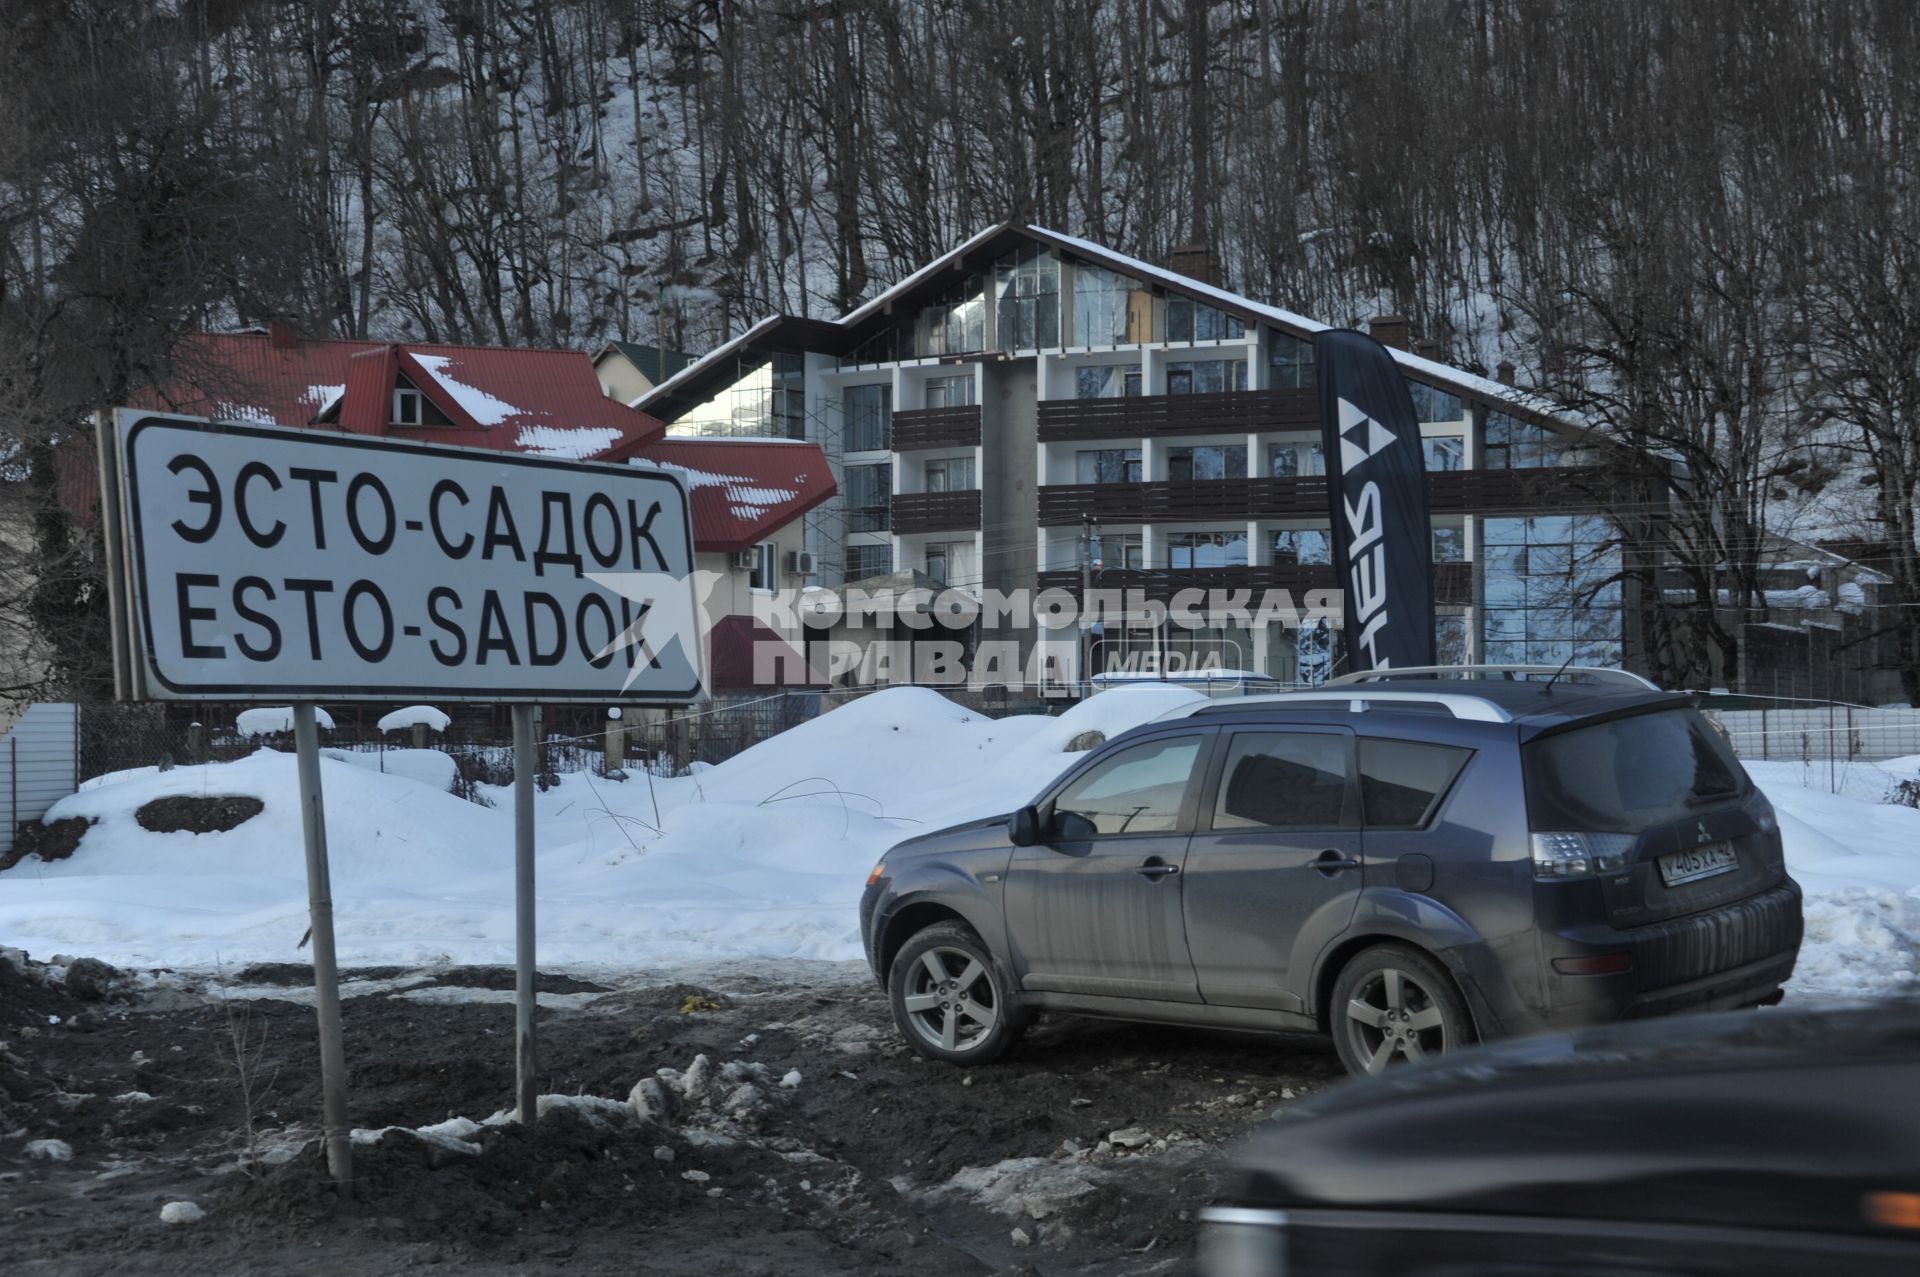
(746, 560)
(802, 563)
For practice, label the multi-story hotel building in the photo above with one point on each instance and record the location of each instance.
(981, 411)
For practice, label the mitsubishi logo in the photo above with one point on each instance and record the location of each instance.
(1702, 835)
(1360, 436)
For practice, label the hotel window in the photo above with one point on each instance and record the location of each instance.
(869, 417)
(869, 498)
(954, 325)
(864, 561)
(951, 563)
(1027, 288)
(1447, 452)
(1301, 547)
(765, 558)
(1118, 550)
(1207, 550)
(1208, 461)
(1106, 381)
(1206, 376)
(1107, 465)
(1289, 362)
(1104, 306)
(1449, 544)
(954, 474)
(1433, 404)
(1189, 320)
(1513, 444)
(1286, 460)
(1552, 591)
(950, 392)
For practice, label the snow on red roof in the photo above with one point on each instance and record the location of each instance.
(547, 402)
(742, 489)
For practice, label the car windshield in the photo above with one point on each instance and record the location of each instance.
(1626, 775)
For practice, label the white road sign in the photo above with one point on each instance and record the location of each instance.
(278, 564)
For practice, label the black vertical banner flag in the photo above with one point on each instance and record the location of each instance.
(1377, 497)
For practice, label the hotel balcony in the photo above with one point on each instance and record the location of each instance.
(1304, 497)
(1452, 582)
(1229, 412)
(936, 512)
(917, 429)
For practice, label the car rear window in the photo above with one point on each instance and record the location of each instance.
(1626, 775)
(1401, 781)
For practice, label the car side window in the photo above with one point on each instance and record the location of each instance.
(1136, 791)
(1402, 781)
(1284, 780)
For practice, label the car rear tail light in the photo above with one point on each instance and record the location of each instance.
(1558, 856)
(1762, 812)
(1595, 964)
(1893, 1210)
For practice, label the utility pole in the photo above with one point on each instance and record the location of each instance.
(1089, 537)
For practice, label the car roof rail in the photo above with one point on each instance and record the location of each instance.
(1460, 705)
(1602, 674)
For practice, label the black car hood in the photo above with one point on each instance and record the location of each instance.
(967, 833)
(1779, 1118)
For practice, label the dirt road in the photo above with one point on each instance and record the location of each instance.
(1091, 1150)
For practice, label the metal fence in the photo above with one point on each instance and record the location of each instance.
(37, 765)
(1831, 731)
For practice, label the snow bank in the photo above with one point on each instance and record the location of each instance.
(412, 715)
(269, 721)
(762, 856)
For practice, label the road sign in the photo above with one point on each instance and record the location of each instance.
(273, 564)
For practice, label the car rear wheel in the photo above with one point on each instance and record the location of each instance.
(950, 999)
(1394, 1005)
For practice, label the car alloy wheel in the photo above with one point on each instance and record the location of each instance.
(950, 1000)
(1393, 1016)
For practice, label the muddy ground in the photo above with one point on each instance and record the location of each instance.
(870, 1161)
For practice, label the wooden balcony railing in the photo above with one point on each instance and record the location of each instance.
(1305, 496)
(936, 512)
(1452, 582)
(1230, 412)
(915, 429)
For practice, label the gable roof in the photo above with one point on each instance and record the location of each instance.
(545, 402)
(836, 336)
(654, 363)
(742, 489)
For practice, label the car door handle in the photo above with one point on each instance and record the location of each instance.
(1156, 869)
(1332, 862)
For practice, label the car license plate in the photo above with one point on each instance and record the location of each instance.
(1677, 867)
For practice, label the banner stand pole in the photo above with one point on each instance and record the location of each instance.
(326, 975)
(526, 1089)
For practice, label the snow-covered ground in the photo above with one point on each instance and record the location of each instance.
(761, 857)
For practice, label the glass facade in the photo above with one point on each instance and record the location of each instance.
(869, 411)
(1027, 290)
(1297, 546)
(955, 474)
(1118, 550)
(1289, 361)
(767, 399)
(1552, 591)
(954, 325)
(1109, 309)
(1513, 444)
(1189, 320)
(1449, 452)
(953, 563)
(1285, 460)
(1433, 404)
(864, 561)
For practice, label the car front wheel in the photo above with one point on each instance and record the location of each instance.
(1394, 1005)
(950, 999)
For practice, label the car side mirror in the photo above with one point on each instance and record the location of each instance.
(1023, 827)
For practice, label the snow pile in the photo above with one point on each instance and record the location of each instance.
(427, 766)
(762, 856)
(272, 721)
(181, 1213)
(50, 1150)
(568, 443)
(414, 715)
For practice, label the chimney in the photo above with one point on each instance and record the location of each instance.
(1504, 373)
(1427, 348)
(282, 335)
(1195, 261)
(1389, 330)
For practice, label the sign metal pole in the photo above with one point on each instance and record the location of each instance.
(526, 1088)
(326, 976)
